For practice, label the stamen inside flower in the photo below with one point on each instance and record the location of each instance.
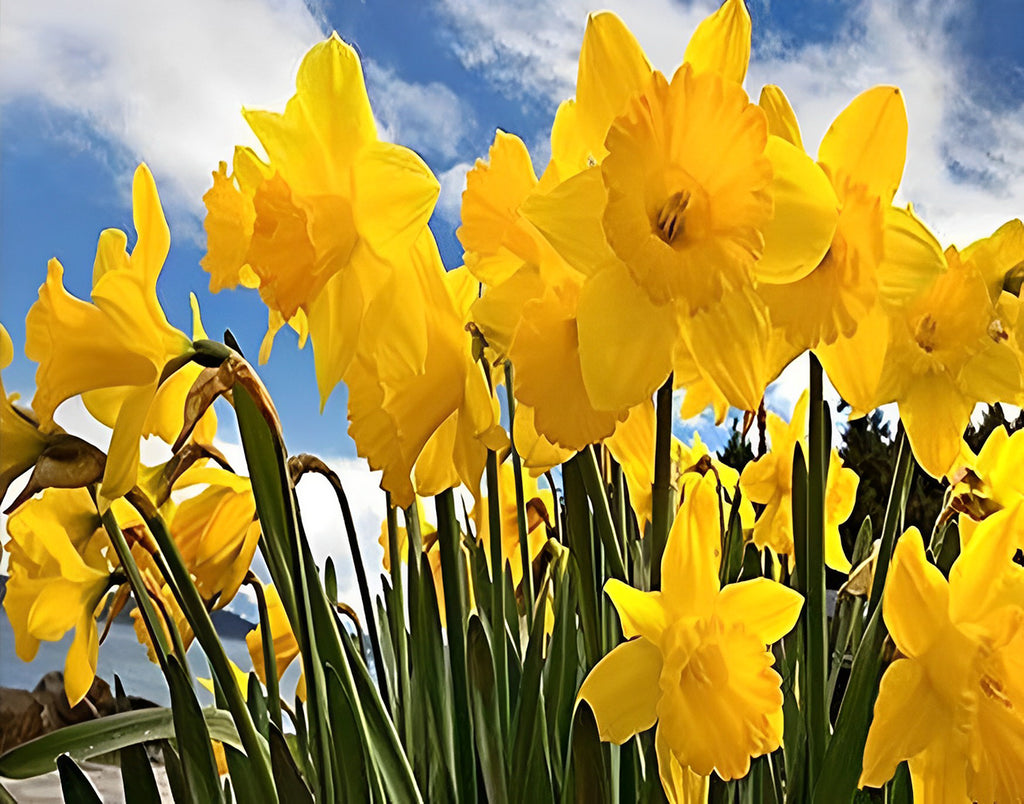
(670, 218)
(924, 334)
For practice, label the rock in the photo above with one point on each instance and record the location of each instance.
(26, 715)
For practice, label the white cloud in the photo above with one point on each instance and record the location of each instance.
(453, 184)
(530, 50)
(164, 81)
(429, 118)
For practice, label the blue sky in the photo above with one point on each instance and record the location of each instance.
(87, 93)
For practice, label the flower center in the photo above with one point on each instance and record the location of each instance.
(924, 334)
(670, 222)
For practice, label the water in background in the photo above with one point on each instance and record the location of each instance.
(120, 653)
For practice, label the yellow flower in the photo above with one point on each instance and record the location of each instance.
(327, 219)
(769, 482)
(286, 647)
(696, 655)
(948, 350)
(395, 407)
(539, 507)
(950, 704)
(114, 350)
(528, 311)
(60, 571)
(216, 531)
(863, 154)
(19, 432)
(687, 201)
(632, 445)
(989, 481)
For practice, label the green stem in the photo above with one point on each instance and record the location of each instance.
(524, 539)
(150, 618)
(602, 512)
(397, 612)
(497, 592)
(269, 659)
(199, 618)
(661, 490)
(448, 535)
(898, 492)
(812, 577)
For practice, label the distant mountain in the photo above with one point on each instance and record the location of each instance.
(228, 624)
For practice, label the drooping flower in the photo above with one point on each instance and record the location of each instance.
(950, 704)
(769, 482)
(61, 563)
(632, 445)
(989, 481)
(697, 654)
(113, 350)
(395, 407)
(538, 505)
(331, 214)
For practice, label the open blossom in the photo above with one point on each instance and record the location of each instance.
(697, 654)
(950, 705)
(114, 349)
(323, 223)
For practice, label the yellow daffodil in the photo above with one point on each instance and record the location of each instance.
(697, 654)
(948, 350)
(950, 704)
(395, 407)
(286, 647)
(19, 432)
(327, 218)
(216, 531)
(61, 563)
(687, 202)
(457, 450)
(769, 482)
(539, 507)
(112, 351)
(632, 445)
(529, 310)
(989, 481)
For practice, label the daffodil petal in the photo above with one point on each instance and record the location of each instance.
(689, 565)
(80, 663)
(122, 466)
(782, 120)
(935, 414)
(334, 323)
(612, 68)
(625, 340)
(680, 783)
(569, 216)
(806, 212)
(640, 613)
(763, 606)
(395, 198)
(154, 237)
(916, 600)
(907, 716)
(911, 257)
(623, 691)
(868, 141)
(721, 42)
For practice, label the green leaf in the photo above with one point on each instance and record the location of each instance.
(137, 778)
(103, 735)
(843, 760)
(484, 700)
(290, 786)
(192, 736)
(589, 759)
(531, 765)
(349, 750)
(5, 796)
(74, 784)
(258, 704)
(176, 774)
